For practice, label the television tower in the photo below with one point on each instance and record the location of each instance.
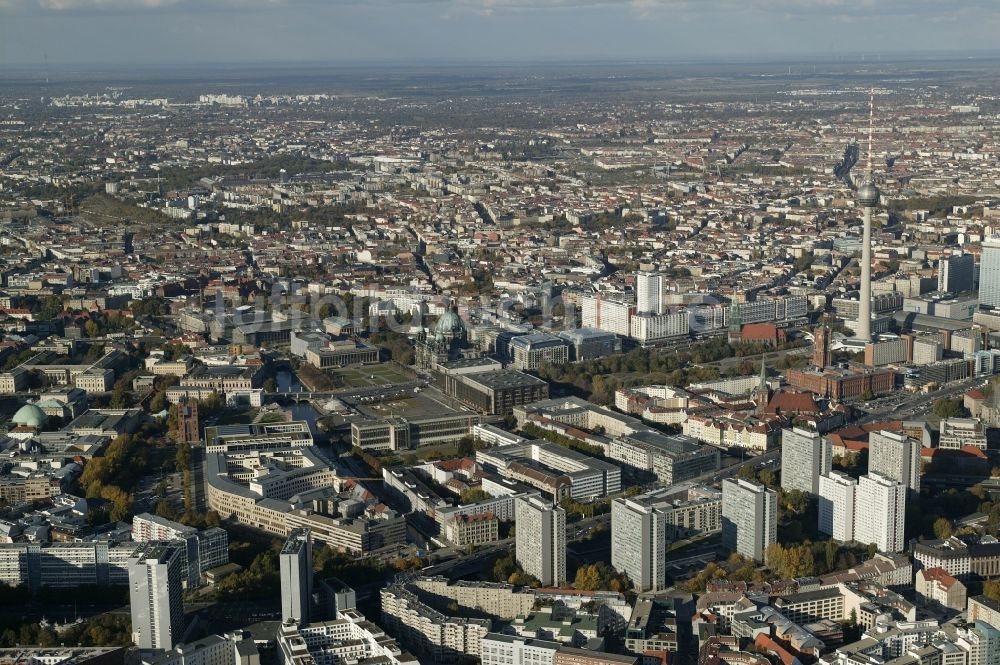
(867, 198)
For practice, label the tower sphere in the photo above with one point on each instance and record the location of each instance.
(868, 195)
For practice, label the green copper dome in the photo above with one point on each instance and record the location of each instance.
(450, 323)
(29, 415)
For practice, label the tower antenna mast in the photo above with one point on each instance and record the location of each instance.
(871, 128)
(867, 198)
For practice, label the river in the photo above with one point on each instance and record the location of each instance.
(288, 382)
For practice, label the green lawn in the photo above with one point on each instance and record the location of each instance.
(365, 376)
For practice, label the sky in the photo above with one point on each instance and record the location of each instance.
(164, 32)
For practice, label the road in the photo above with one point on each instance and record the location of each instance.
(901, 406)
(772, 456)
(372, 393)
(770, 358)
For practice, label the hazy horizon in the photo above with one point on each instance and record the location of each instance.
(130, 33)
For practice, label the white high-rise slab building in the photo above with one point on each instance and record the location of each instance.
(989, 273)
(805, 456)
(879, 512)
(155, 577)
(895, 456)
(540, 545)
(649, 293)
(639, 543)
(295, 566)
(606, 313)
(836, 505)
(749, 517)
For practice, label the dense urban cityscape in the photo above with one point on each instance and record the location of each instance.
(582, 365)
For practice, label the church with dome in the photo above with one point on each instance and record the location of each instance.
(28, 420)
(447, 340)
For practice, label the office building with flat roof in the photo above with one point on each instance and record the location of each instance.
(749, 517)
(639, 542)
(643, 525)
(672, 458)
(155, 596)
(836, 505)
(956, 273)
(989, 273)
(590, 343)
(495, 392)
(880, 512)
(204, 549)
(895, 456)
(527, 352)
(295, 565)
(805, 456)
(540, 546)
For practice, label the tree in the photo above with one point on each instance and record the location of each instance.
(120, 398)
(795, 502)
(521, 578)
(768, 478)
(121, 503)
(830, 554)
(588, 578)
(182, 458)
(51, 308)
(943, 528)
(735, 568)
(600, 576)
(950, 408)
(503, 568)
(175, 351)
(270, 386)
(991, 589)
(472, 495)
(466, 446)
(166, 510)
(158, 403)
(210, 405)
(188, 492)
(791, 562)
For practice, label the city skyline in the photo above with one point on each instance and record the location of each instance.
(487, 361)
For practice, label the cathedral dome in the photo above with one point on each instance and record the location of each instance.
(450, 324)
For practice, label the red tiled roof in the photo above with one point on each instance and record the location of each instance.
(475, 517)
(767, 644)
(760, 331)
(887, 425)
(461, 463)
(939, 575)
(792, 402)
(970, 451)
